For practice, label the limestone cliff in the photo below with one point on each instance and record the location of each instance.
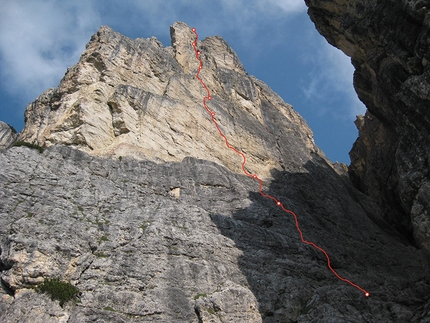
(136, 202)
(136, 98)
(388, 42)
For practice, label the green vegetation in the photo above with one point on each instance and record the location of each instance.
(12, 128)
(59, 290)
(120, 158)
(108, 308)
(101, 221)
(101, 255)
(27, 144)
(104, 238)
(16, 205)
(200, 295)
(145, 226)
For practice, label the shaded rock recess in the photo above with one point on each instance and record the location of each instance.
(388, 42)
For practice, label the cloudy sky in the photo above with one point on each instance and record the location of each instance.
(275, 40)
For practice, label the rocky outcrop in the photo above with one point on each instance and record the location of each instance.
(192, 241)
(388, 43)
(136, 201)
(8, 136)
(136, 98)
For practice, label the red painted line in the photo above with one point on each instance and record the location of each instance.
(254, 176)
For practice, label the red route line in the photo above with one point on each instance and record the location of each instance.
(254, 176)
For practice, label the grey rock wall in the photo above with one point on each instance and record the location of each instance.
(388, 43)
(194, 242)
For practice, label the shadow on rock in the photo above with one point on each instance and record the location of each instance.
(291, 280)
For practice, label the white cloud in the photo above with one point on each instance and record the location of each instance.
(330, 80)
(39, 40)
(222, 17)
(287, 6)
(255, 8)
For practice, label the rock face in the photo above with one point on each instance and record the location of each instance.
(178, 234)
(7, 136)
(388, 43)
(135, 98)
(194, 242)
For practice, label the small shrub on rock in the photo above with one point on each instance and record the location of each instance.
(58, 290)
(12, 129)
(27, 144)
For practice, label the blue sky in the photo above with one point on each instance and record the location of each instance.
(275, 40)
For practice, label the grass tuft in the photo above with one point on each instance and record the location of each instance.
(59, 290)
(27, 144)
(200, 295)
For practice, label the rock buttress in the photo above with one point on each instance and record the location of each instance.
(388, 43)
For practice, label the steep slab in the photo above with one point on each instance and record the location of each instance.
(194, 242)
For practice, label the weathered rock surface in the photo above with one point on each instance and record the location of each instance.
(179, 235)
(136, 98)
(194, 242)
(388, 42)
(7, 136)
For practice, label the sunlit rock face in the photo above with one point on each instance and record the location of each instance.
(136, 201)
(137, 98)
(389, 47)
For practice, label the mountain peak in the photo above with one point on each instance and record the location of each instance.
(137, 98)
